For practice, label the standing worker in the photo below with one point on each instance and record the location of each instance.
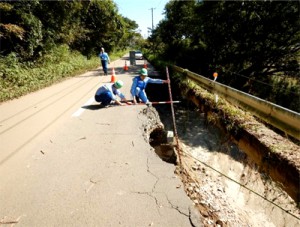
(109, 92)
(104, 60)
(139, 85)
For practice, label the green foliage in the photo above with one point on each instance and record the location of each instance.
(256, 37)
(33, 36)
(285, 92)
(11, 30)
(20, 29)
(61, 21)
(43, 41)
(5, 7)
(245, 41)
(18, 78)
(31, 28)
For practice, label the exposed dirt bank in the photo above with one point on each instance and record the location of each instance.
(225, 183)
(275, 155)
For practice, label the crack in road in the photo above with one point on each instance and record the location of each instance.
(151, 194)
(176, 207)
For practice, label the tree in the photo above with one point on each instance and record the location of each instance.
(256, 39)
(31, 28)
(245, 41)
(103, 27)
(179, 33)
(20, 29)
(130, 36)
(61, 21)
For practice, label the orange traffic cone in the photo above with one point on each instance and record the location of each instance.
(145, 65)
(113, 77)
(125, 67)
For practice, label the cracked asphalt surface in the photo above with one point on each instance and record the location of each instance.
(94, 169)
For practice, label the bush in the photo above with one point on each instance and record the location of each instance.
(17, 79)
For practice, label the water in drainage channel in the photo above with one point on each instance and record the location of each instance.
(222, 201)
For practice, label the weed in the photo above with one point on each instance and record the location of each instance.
(17, 79)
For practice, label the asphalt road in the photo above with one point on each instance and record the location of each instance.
(65, 162)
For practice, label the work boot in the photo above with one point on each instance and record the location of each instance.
(137, 99)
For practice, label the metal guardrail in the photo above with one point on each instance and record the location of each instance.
(284, 119)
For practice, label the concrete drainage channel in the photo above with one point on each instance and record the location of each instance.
(224, 184)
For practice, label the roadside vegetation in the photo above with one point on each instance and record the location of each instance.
(254, 46)
(43, 42)
(21, 78)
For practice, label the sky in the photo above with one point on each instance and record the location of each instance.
(140, 12)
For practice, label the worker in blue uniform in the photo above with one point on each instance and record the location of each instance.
(104, 58)
(139, 84)
(108, 93)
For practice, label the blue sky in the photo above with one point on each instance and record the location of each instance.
(140, 11)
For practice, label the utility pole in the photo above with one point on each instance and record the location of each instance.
(152, 17)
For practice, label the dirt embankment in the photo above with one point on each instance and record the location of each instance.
(227, 184)
(275, 155)
(237, 171)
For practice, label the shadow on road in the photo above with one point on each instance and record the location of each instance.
(92, 107)
(99, 106)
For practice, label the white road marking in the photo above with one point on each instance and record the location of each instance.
(81, 110)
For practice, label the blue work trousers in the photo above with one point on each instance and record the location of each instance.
(104, 98)
(104, 66)
(141, 94)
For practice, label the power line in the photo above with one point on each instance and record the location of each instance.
(159, 3)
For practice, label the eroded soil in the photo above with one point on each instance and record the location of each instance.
(225, 184)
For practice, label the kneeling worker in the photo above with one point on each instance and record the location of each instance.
(109, 92)
(139, 84)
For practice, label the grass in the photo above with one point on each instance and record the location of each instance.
(17, 79)
(231, 117)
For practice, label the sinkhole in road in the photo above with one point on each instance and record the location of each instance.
(164, 149)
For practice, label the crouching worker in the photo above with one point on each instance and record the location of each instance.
(139, 84)
(109, 92)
